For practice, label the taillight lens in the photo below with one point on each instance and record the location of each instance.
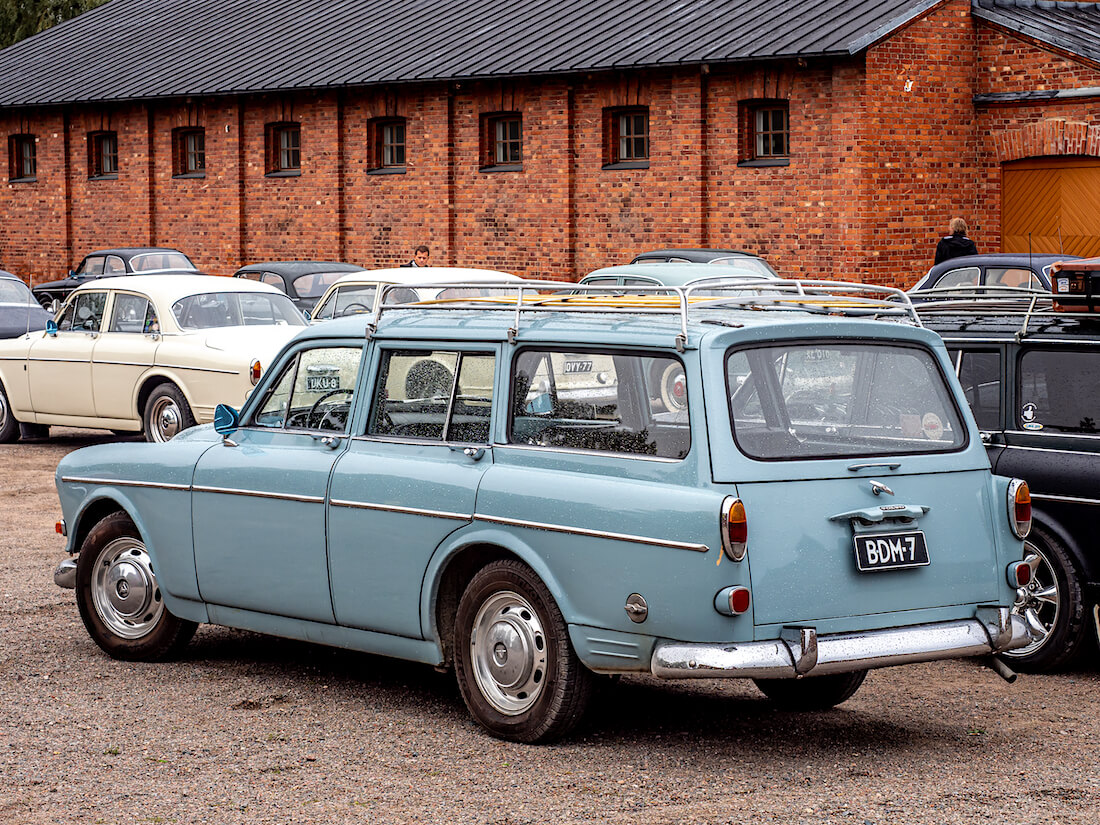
(1019, 507)
(255, 370)
(733, 601)
(1019, 574)
(735, 528)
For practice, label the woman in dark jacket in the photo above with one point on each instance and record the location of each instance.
(956, 244)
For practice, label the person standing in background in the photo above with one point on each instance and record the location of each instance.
(420, 256)
(956, 244)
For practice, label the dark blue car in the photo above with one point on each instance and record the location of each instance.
(19, 311)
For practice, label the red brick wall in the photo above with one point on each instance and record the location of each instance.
(1010, 64)
(918, 153)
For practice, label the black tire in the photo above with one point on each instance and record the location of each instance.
(813, 692)
(131, 624)
(166, 413)
(1054, 606)
(543, 697)
(9, 427)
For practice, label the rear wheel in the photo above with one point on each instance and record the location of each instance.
(516, 668)
(9, 427)
(1052, 604)
(118, 596)
(813, 692)
(166, 413)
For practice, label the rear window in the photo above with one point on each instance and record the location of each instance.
(229, 309)
(160, 260)
(821, 400)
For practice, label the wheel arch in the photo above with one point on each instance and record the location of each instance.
(150, 382)
(456, 561)
(93, 511)
(1046, 521)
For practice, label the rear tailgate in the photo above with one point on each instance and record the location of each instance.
(805, 569)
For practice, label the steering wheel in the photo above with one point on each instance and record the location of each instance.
(322, 416)
(354, 308)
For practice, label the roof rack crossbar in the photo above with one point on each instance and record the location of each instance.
(765, 294)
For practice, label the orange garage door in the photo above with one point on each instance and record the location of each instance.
(1054, 200)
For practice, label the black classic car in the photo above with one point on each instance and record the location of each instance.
(19, 314)
(106, 263)
(303, 281)
(1032, 377)
(731, 257)
(994, 269)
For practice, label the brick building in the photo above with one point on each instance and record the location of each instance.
(837, 139)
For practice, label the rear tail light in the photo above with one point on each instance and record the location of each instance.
(732, 601)
(735, 528)
(255, 370)
(1019, 508)
(1019, 574)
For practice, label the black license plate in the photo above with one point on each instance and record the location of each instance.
(891, 551)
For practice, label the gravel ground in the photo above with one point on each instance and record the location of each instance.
(251, 729)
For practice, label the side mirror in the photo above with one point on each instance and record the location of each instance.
(226, 419)
(307, 315)
(71, 273)
(55, 305)
(51, 327)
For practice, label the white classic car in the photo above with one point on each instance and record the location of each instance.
(358, 292)
(143, 353)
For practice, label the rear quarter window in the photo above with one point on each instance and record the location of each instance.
(597, 401)
(1059, 390)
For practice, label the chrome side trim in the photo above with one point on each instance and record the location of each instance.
(197, 369)
(599, 534)
(230, 491)
(801, 652)
(1065, 499)
(1045, 434)
(118, 482)
(601, 453)
(392, 508)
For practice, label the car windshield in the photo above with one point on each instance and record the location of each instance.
(14, 292)
(160, 260)
(231, 309)
(353, 299)
(820, 400)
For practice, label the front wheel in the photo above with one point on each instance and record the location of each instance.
(518, 672)
(812, 692)
(1052, 604)
(118, 596)
(166, 413)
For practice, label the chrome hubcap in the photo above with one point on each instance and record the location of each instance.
(165, 418)
(124, 589)
(1039, 603)
(509, 653)
(3, 411)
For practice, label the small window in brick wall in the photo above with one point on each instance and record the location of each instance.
(283, 146)
(189, 152)
(626, 138)
(765, 133)
(22, 158)
(387, 144)
(502, 142)
(102, 155)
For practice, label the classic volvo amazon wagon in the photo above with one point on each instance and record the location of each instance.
(820, 504)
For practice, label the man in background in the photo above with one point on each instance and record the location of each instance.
(421, 253)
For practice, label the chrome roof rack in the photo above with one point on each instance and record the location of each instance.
(987, 301)
(717, 292)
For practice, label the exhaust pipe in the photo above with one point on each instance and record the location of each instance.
(1000, 668)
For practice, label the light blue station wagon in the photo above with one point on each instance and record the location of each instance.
(500, 488)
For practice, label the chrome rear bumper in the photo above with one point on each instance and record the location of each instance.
(800, 651)
(65, 574)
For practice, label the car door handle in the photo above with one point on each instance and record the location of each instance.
(475, 453)
(330, 441)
